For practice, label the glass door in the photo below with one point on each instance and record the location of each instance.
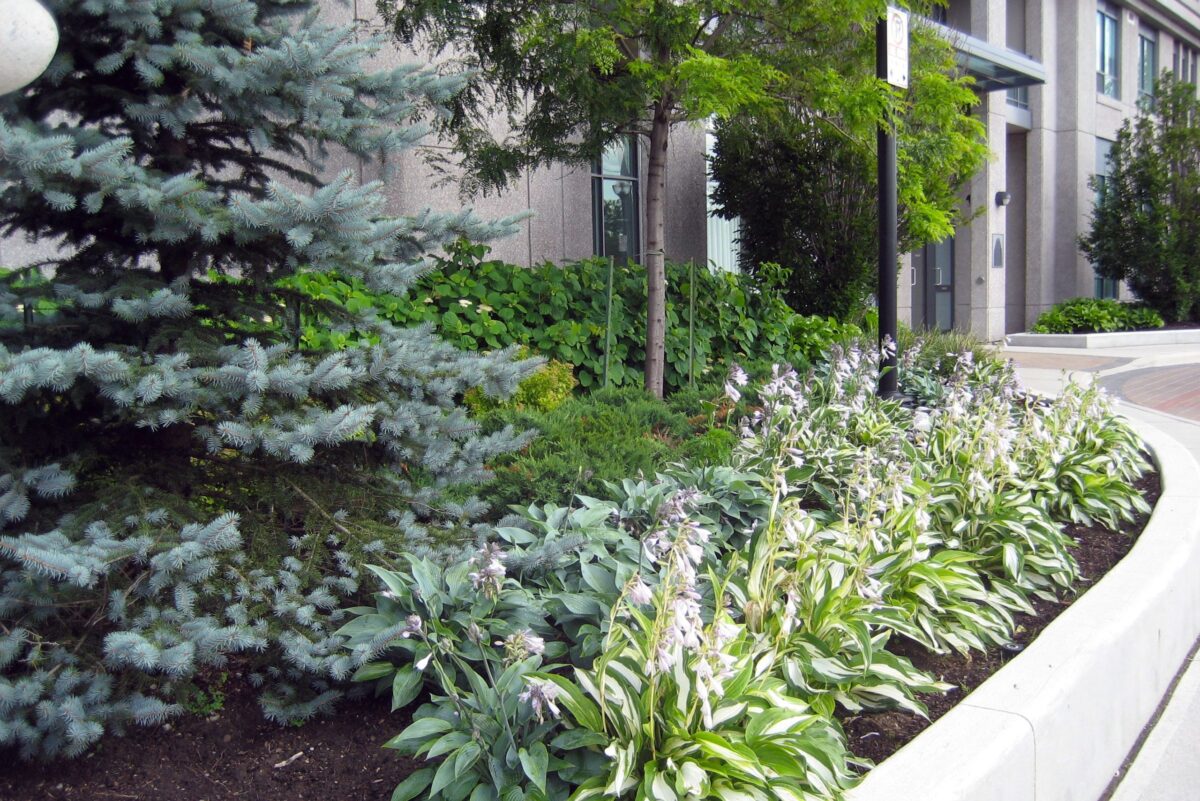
(939, 285)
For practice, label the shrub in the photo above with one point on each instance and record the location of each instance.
(804, 196)
(1092, 315)
(693, 635)
(605, 436)
(560, 312)
(544, 391)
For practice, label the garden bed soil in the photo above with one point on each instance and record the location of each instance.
(878, 735)
(236, 754)
(232, 755)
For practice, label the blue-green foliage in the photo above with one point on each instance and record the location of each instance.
(178, 481)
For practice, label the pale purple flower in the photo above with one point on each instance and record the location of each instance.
(522, 645)
(489, 577)
(737, 378)
(412, 627)
(541, 695)
(640, 593)
(887, 348)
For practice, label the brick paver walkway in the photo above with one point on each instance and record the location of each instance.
(1174, 390)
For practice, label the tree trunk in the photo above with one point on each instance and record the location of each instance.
(656, 278)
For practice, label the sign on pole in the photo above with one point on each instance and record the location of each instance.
(897, 47)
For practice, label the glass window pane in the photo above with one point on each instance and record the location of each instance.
(943, 262)
(1147, 63)
(1106, 55)
(618, 200)
(618, 159)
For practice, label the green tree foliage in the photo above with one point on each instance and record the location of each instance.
(805, 199)
(158, 432)
(574, 77)
(803, 184)
(1146, 226)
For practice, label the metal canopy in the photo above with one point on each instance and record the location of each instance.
(993, 68)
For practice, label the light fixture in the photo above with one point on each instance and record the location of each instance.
(1003, 198)
(28, 40)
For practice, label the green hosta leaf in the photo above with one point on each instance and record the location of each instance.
(534, 762)
(484, 792)
(447, 743)
(737, 756)
(390, 580)
(585, 712)
(467, 756)
(444, 777)
(422, 729)
(413, 785)
(578, 738)
(373, 670)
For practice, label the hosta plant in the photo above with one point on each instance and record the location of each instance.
(696, 634)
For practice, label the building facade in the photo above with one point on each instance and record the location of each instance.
(575, 212)
(1020, 255)
(1057, 78)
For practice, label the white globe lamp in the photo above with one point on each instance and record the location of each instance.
(28, 39)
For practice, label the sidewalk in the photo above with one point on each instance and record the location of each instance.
(1160, 385)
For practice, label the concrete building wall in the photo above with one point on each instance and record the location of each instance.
(558, 198)
(1044, 157)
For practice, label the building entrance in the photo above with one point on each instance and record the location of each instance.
(938, 285)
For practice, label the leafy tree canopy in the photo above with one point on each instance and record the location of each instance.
(1146, 226)
(573, 77)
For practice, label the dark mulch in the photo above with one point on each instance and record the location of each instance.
(232, 755)
(878, 735)
(229, 756)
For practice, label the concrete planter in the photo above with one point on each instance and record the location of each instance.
(1057, 722)
(1115, 339)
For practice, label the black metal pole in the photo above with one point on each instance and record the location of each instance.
(888, 385)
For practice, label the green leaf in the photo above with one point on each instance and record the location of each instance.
(373, 670)
(413, 785)
(444, 776)
(405, 686)
(447, 743)
(420, 729)
(534, 762)
(578, 738)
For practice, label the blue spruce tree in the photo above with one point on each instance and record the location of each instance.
(181, 484)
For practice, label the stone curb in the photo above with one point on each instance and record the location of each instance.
(1057, 722)
(1113, 339)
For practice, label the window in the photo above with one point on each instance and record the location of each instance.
(1184, 63)
(615, 203)
(722, 234)
(1147, 63)
(1018, 97)
(1108, 49)
(1104, 287)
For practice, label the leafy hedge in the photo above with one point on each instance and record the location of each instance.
(1092, 315)
(560, 312)
(691, 636)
